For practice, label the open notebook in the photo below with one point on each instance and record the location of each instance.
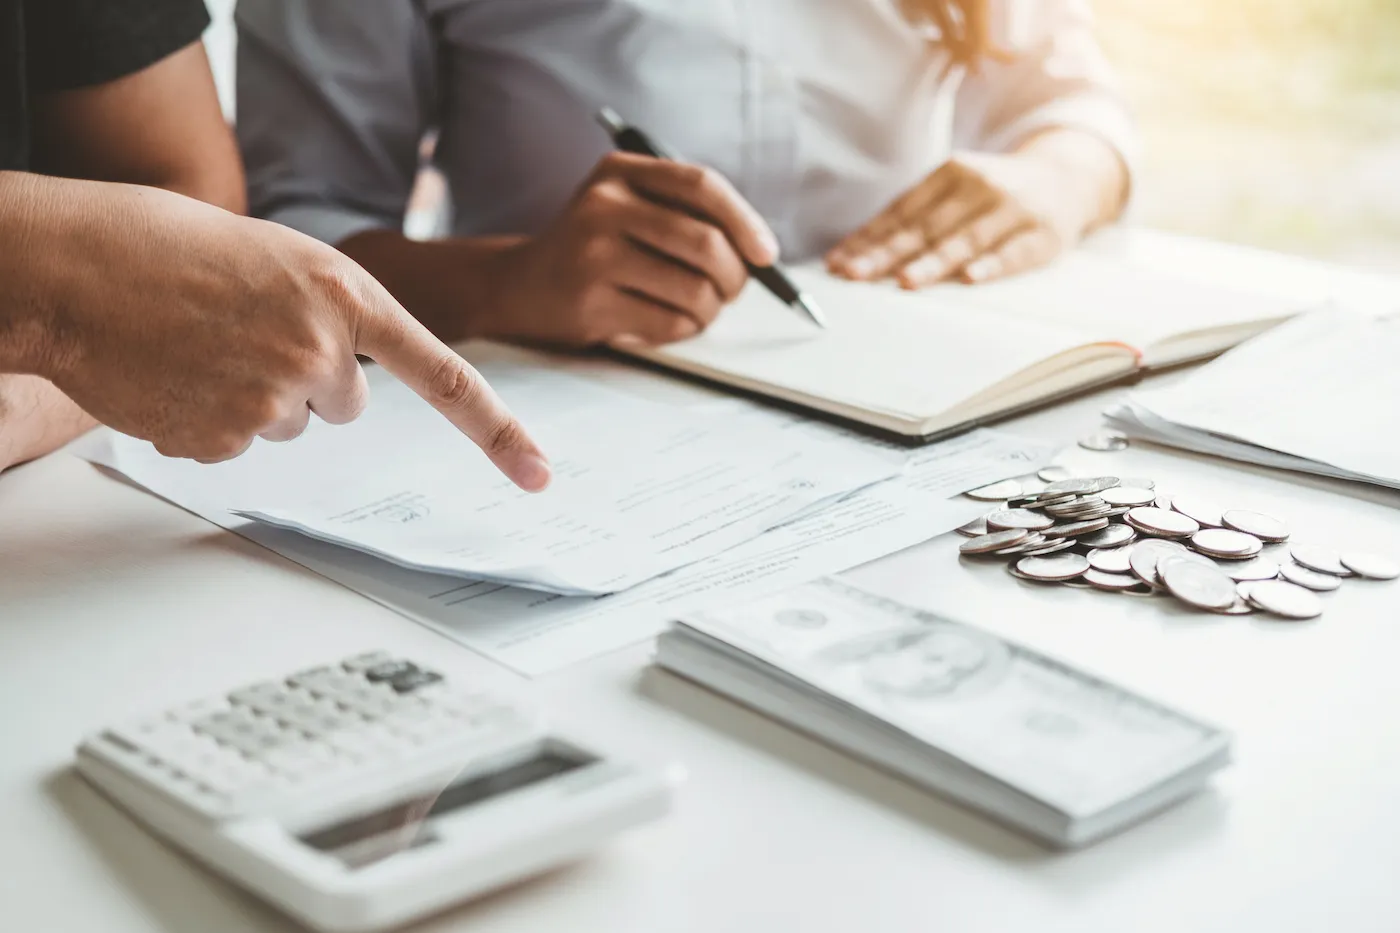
(929, 364)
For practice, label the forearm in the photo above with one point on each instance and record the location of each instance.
(28, 310)
(449, 285)
(35, 419)
(1092, 173)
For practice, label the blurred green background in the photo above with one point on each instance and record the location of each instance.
(1269, 122)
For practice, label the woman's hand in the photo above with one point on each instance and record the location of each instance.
(982, 216)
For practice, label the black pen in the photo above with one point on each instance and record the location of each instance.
(630, 139)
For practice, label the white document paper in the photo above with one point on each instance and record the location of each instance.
(1339, 416)
(535, 633)
(640, 488)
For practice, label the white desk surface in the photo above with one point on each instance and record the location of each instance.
(113, 603)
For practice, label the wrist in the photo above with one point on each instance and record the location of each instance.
(455, 287)
(1087, 171)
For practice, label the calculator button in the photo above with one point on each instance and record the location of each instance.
(311, 675)
(275, 704)
(414, 680)
(320, 718)
(389, 671)
(258, 693)
(372, 701)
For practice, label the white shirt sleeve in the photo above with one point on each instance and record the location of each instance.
(1058, 77)
(334, 98)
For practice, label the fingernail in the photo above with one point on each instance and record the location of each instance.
(627, 340)
(978, 269)
(534, 474)
(861, 266)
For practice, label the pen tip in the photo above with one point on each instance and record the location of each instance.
(806, 303)
(610, 120)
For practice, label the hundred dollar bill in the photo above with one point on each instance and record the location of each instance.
(952, 706)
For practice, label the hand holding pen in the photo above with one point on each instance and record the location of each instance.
(647, 251)
(629, 138)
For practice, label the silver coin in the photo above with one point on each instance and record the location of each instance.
(1135, 482)
(1285, 599)
(1242, 589)
(1226, 544)
(1128, 495)
(1105, 441)
(1309, 579)
(996, 491)
(1196, 584)
(1074, 529)
(1259, 568)
(1053, 474)
(973, 529)
(1321, 559)
(1083, 515)
(1142, 589)
(1106, 482)
(1116, 582)
(1161, 523)
(1056, 567)
(1163, 502)
(1004, 519)
(1074, 486)
(1371, 566)
(1074, 505)
(1039, 502)
(1142, 560)
(1264, 527)
(1051, 547)
(995, 541)
(1240, 607)
(1120, 510)
(1033, 540)
(1203, 512)
(1110, 537)
(1011, 569)
(1111, 560)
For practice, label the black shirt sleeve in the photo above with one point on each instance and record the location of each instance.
(78, 43)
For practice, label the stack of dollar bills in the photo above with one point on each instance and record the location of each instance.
(1061, 754)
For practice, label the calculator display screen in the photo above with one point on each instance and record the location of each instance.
(371, 838)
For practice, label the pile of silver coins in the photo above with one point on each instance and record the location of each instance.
(1123, 536)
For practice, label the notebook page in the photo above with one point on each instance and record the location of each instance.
(903, 353)
(1115, 300)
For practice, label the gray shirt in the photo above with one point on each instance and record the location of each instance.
(819, 111)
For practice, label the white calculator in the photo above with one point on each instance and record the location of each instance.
(361, 795)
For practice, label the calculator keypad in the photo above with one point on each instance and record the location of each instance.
(271, 737)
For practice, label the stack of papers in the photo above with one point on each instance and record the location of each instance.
(400, 448)
(1319, 394)
(640, 488)
(1033, 742)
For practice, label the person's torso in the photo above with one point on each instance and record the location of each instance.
(819, 111)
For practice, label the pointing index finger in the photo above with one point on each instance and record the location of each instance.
(444, 380)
